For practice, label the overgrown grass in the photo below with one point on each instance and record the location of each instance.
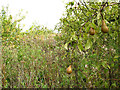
(42, 63)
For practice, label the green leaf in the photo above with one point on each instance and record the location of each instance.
(80, 46)
(98, 16)
(88, 44)
(112, 65)
(114, 84)
(66, 46)
(116, 56)
(80, 38)
(99, 22)
(104, 64)
(108, 66)
(73, 36)
(95, 38)
(92, 24)
(87, 28)
(93, 55)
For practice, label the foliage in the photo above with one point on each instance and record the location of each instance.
(74, 28)
(10, 29)
(39, 57)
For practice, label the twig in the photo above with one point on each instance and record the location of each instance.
(76, 75)
(94, 15)
(103, 7)
(82, 9)
(84, 5)
(113, 4)
(87, 20)
(83, 12)
(110, 76)
(94, 9)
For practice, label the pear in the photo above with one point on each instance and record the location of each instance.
(104, 27)
(69, 70)
(92, 31)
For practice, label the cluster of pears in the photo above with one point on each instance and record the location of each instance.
(104, 28)
(69, 70)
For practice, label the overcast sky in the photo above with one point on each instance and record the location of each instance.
(44, 12)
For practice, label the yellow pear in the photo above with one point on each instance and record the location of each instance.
(92, 31)
(104, 27)
(69, 70)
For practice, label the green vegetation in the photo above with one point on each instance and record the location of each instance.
(40, 57)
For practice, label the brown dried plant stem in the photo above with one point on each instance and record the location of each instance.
(70, 80)
(76, 69)
(76, 75)
(4, 76)
(109, 69)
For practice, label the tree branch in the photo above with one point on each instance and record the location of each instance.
(82, 9)
(87, 20)
(84, 5)
(103, 6)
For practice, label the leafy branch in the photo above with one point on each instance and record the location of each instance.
(103, 6)
(84, 5)
(88, 20)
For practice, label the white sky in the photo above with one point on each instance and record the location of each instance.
(44, 12)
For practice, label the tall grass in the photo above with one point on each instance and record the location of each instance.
(36, 62)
